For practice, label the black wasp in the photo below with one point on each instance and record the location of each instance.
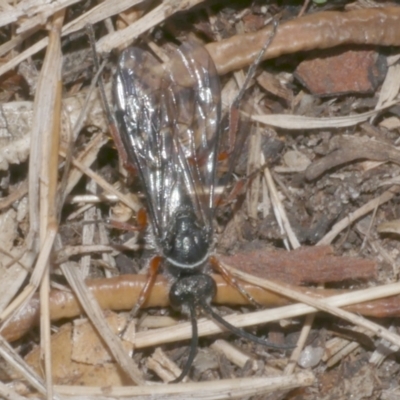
(169, 122)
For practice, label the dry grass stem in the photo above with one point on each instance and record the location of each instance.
(222, 389)
(36, 277)
(96, 316)
(48, 188)
(365, 209)
(106, 186)
(233, 354)
(124, 37)
(11, 357)
(279, 211)
(299, 122)
(304, 334)
(207, 327)
(329, 305)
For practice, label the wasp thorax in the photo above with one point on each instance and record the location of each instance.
(186, 244)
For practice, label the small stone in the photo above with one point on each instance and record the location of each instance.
(353, 71)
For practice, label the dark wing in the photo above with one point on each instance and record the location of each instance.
(168, 119)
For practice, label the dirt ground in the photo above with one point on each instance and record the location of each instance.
(306, 191)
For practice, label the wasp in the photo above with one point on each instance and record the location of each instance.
(169, 131)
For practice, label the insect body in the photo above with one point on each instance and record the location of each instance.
(169, 125)
(169, 128)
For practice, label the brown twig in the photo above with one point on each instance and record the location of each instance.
(376, 26)
(121, 293)
(345, 149)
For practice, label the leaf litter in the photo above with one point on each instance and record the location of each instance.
(331, 179)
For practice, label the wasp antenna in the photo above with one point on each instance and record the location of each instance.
(193, 344)
(255, 64)
(99, 68)
(185, 294)
(240, 332)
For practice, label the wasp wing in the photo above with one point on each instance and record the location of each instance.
(197, 100)
(168, 119)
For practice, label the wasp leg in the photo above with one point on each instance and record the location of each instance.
(240, 187)
(219, 268)
(154, 265)
(152, 273)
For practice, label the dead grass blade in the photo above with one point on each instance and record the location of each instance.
(95, 314)
(222, 389)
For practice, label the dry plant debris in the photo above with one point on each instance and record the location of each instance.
(353, 71)
(318, 217)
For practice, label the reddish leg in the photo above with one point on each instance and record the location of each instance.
(152, 273)
(218, 267)
(154, 264)
(141, 218)
(239, 187)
